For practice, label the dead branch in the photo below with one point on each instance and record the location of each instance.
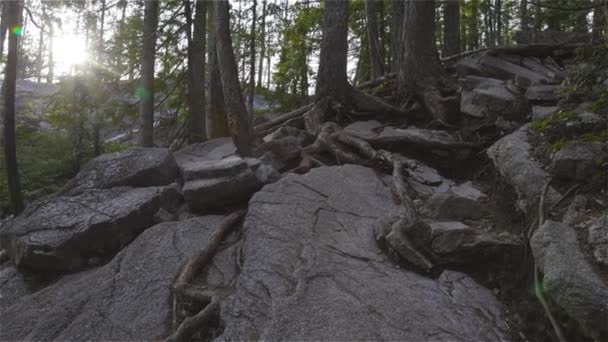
(282, 118)
(377, 81)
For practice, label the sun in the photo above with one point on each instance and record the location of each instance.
(69, 51)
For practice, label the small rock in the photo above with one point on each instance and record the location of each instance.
(541, 112)
(487, 97)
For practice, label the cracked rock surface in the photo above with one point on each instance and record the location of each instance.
(313, 271)
(127, 299)
(69, 233)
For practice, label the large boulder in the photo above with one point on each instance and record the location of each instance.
(69, 233)
(598, 238)
(580, 160)
(214, 149)
(488, 97)
(569, 279)
(12, 286)
(137, 167)
(215, 184)
(488, 65)
(463, 201)
(511, 156)
(128, 299)
(312, 271)
(285, 145)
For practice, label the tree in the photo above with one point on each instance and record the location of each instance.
(252, 58)
(262, 45)
(332, 81)
(217, 123)
(523, 15)
(146, 90)
(421, 75)
(3, 25)
(373, 39)
(13, 10)
(451, 27)
(196, 71)
(238, 121)
(397, 11)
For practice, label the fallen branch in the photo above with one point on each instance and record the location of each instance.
(377, 81)
(192, 324)
(526, 50)
(282, 118)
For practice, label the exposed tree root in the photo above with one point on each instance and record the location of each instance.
(282, 119)
(194, 266)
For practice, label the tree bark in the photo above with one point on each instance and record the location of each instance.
(51, 73)
(3, 26)
(39, 58)
(13, 10)
(252, 59)
(263, 45)
(523, 15)
(238, 121)
(599, 23)
(146, 90)
(196, 54)
(421, 74)
(217, 123)
(451, 28)
(580, 24)
(397, 10)
(373, 39)
(498, 21)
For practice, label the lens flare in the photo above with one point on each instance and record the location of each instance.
(142, 93)
(17, 30)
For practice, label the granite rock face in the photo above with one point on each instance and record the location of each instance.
(312, 270)
(69, 233)
(128, 299)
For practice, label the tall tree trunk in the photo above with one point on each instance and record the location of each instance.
(100, 43)
(13, 10)
(51, 74)
(599, 23)
(263, 45)
(523, 15)
(3, 26)
(252, 58)
(40, 56)
(580, 25)
(238, 122)
(196, 71)
(373, 39)
(421, 74)
(451, 27)
(397, 11)
(146, 90)
(331, 76)
(498, 21)
(217, 122)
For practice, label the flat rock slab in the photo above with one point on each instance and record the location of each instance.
(69, 233)
(543, 93)
(138, 167)
(213, 184)
(210, 150)
(569, 279)
(128, 299)
(488, 97)
(312, 271)
(512, 158)
(462, 201)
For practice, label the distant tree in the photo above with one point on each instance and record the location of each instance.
(262, 44)
(238, 121)
(373, 39)
(397, 11)
(451, 27)
(523, 15)
(146, 90)
(13, 16)
(252, 38)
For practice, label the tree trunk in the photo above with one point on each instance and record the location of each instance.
(146, 90)
(3, 26)
(373, 39)
(217, 123)
(451, 28)
(238, 122)
(523, 15)
(252, 59)
(13, 10)
(498, 21)
(580, 25)
(599, 23)
(40, 58)
(196, 71)
(51, 74)
(397, 11)
(263, 45)
(421, 74)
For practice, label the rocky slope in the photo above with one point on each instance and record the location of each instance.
(432, 236)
